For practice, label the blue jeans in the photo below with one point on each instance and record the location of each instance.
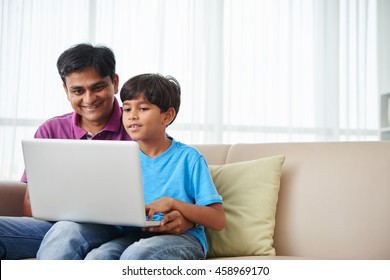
(72, 241)
(136, 246)
(20, 237)
(75, 241)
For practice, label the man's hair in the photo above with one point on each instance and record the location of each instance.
(81, 56)
(164, 92)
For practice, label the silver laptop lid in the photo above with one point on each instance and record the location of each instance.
(85, 181)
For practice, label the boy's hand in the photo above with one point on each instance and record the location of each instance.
(161, 205)
(172, 223)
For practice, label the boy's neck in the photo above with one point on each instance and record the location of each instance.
(156, 148)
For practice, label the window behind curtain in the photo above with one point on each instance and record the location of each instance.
(250, 71)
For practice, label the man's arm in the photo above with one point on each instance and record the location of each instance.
(211, 216)
(173, 223)
(26, 204)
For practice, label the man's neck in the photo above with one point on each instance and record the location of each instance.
(92, 127)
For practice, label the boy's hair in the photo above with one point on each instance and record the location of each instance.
(164, 92)
(81, 56)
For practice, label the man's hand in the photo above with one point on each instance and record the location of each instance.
(172, 223)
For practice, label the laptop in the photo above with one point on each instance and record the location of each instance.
(93, 181)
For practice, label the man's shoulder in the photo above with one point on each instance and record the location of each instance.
(62, 118)
(56, 127)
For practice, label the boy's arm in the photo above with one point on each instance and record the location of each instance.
(211, 216)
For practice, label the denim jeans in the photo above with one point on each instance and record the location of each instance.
(72, 241)
(20, 237)
(137, 246)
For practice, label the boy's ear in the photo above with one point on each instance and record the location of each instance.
(169, 116)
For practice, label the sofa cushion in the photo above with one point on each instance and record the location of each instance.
(250, 193)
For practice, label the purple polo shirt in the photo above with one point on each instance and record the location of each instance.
(66, 127)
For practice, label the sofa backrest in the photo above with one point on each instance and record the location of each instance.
(334, 198)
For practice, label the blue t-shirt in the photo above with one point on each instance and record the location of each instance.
(181, 172)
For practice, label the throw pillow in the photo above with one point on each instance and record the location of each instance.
(250, 194)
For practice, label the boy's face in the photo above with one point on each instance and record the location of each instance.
(144, 121)
(92, 97)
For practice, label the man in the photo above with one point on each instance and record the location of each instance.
(90, 84)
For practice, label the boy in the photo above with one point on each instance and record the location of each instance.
(175, 177)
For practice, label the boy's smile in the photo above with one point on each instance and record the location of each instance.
(135, 127)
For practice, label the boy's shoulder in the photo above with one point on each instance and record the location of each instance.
(185, 147)
(186, 150)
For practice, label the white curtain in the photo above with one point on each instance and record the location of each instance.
(250, 70)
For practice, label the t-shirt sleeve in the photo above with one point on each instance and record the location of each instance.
(205, 192)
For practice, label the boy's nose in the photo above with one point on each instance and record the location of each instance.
(133, 116)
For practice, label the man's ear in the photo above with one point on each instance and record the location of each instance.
(170, 115)
(116, 83)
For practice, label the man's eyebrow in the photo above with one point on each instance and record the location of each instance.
(99, 83)
(75, 87)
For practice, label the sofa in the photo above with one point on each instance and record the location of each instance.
(321, 200)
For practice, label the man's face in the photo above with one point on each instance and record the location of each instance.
(91, 97)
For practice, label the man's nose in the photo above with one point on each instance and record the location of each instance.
(89, 97)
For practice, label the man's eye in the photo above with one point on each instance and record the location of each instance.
(127, 110)
(77, 91)
(144, 108)
(99, 88)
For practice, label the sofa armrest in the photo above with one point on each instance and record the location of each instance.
(11, 198)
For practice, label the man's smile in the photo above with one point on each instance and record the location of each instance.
(91, 107)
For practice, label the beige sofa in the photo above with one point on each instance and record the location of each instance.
(333, 202)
